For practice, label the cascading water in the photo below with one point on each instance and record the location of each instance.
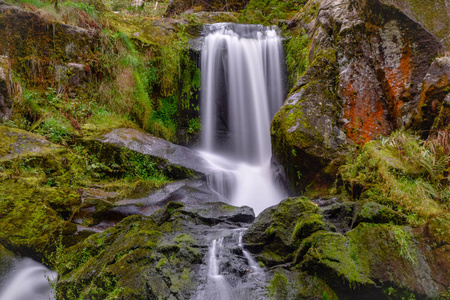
(28, 280)
(242, 89)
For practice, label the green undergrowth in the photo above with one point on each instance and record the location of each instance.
(403, 172)
(268, 12)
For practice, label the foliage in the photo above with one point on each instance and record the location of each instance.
(400, 171)
(268, 11)
(297, 61)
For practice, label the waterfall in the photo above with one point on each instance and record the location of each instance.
(28, 280)
(242, 89)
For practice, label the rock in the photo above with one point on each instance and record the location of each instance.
(17, 142)
(277, 231)
(368, 260)
(156, 257)
(5, 88)
(433, 111)
(368, 62)
(101, 210)
(71, 75)
(306, 136)
(175, 161)
(7, 260)
(435, 17)
(371, 212)
(36, 43)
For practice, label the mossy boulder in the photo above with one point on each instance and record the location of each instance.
(371, 212)
(306, 138)
(295, 284)
(438, 229)
(277, 231)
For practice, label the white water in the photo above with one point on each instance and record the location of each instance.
(28, 280)
(242, 88)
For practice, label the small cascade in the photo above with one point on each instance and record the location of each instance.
(233, 274)
(242, 89)
(28, 280)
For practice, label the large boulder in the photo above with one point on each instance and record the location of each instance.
(122, 143)
(371, 59)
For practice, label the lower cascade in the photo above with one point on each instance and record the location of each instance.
(242, 89)
(27, 280)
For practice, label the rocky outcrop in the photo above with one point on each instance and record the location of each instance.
(435, 16)
(175, 161)
(366, 261)
(374, 59)
(33, 56)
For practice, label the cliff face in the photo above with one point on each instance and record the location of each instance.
(380, 57)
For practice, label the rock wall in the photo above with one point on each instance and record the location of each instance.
(41, 59)
(379, 56)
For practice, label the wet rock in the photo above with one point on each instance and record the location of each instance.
(7, 260)
(175, 161)
(161, 256)
(102, 210)
(433, 111)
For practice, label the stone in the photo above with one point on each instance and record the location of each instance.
(176, 161)
(368, 60)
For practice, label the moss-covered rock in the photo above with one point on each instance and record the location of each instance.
(144, 257)
(277, 231)
(34, 57)
(126, 147)
(180, 6)
(368, 60)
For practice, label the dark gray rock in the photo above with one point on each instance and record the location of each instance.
(176, 161)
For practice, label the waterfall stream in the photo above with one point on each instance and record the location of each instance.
(242, 89)
(27, 280)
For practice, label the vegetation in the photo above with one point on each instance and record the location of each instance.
(401, 171)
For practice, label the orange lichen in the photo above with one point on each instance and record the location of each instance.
(365, 114)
